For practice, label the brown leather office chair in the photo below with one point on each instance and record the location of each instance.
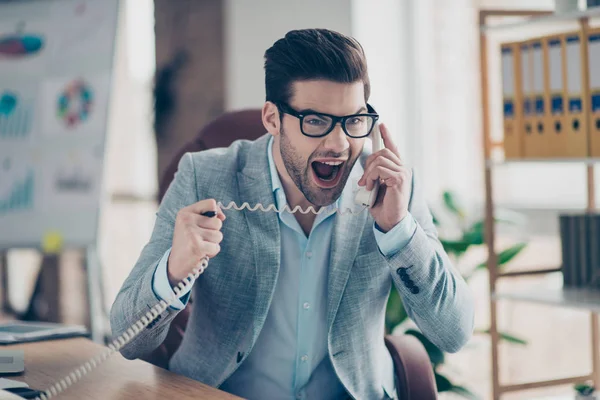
(413, 368)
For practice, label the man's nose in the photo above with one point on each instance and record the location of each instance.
(336, 140)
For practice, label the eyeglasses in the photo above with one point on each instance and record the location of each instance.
(314, 124)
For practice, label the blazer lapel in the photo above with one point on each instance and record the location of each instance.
(254, 184)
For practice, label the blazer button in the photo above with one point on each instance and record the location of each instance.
(414, 290)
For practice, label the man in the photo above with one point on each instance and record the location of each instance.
(293, 305)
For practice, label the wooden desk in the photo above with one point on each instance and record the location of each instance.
(117, 378)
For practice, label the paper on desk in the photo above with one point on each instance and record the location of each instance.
(9, 384)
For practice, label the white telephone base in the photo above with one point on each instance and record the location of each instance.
(4, 395)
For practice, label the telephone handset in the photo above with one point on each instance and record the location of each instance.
(363, 197)
(366, 197)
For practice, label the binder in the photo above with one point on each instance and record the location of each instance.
(565, 250)
(540, 94)
(574, 259)
(584, 266)
(592, 249)
(595, 249)
(511, 100)
(576, 122)
(556, 138)
(527, 121)
(594, 71)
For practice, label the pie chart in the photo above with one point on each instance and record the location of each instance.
(20, 45)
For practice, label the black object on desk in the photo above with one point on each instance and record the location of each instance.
(26, 393)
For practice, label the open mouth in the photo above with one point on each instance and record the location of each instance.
(327, 173)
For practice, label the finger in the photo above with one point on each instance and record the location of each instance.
(204, 206)
(377, 174)
(209, 249)
(379, 161)
(398, 178)
(387, 139)
(220, 214)
(211, 214)
(387, 153)
(202, 221)
(209, 235)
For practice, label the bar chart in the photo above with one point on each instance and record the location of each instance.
(19, 196)
(16, 116)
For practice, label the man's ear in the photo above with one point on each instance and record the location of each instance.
(270, 118)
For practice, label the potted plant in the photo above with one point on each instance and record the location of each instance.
(585, 391)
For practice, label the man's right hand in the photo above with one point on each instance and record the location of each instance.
(194, 237)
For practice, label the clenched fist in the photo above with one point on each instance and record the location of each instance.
(194, 237)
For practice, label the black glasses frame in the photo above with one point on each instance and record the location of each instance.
(287, 109)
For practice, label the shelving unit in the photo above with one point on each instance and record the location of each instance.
(581, 299)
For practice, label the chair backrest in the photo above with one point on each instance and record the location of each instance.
(221, 132)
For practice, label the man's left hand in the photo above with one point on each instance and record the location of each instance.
(395, 180)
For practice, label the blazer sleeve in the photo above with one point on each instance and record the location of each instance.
(136, 296)
(434, 294)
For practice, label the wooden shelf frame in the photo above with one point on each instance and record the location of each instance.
(582, 17)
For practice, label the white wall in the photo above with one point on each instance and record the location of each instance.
(379, 27)
(251, 27)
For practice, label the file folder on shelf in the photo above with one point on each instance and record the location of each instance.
(556, 139)
(540, 128)
(527, 120)
(512, 109)
(594, 71)
(576, 121)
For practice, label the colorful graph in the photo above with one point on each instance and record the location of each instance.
(74, 181)
(20, 44)
(15, 116)
(19, 197)
(75, 103)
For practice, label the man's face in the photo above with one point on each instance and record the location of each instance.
(320, 166)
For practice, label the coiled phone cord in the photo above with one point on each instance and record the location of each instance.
(162, 305)
(126, 337)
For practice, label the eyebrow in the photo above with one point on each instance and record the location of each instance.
(311, 111)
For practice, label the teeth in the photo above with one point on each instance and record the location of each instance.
(332, 162)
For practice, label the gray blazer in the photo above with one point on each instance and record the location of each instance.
(232, 297)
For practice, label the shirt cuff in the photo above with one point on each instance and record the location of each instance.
(396, 238)
(162, 288)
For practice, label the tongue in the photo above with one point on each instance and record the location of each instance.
(323, 170)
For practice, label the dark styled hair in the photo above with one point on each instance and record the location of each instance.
(310, 54)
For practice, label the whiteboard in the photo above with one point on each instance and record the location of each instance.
(56, 61)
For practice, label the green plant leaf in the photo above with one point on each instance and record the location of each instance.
(475, 234)
(443, 384)
(436, 356)
(436, 221)
(504, 336)
(505, 255)
(451, 204)
(464, 392)
(395, 313)
(456, 247)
